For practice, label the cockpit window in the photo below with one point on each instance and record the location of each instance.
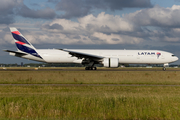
(173, 55)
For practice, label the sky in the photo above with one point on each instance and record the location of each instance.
(91, 24)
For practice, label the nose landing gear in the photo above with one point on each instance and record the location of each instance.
(165, 65)
(164, 68)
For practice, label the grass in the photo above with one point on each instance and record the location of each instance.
(90, 77)
(88, 101)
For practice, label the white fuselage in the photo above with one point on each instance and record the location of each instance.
(109, 58)
(124, 56)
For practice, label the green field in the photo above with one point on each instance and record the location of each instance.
(88, 95)
(91, 77)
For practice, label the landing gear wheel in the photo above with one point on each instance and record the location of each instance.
(90, 68)
(164, 69)
(94, 68)
(86, 68)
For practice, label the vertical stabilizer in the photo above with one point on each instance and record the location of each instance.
(22, 43)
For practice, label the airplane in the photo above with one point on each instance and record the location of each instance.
(88, 57)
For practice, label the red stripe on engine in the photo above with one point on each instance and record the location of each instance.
(16, 32)
(21, 43)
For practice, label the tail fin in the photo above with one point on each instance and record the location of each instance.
(23, 44)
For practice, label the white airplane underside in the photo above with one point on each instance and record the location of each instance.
(108, 58)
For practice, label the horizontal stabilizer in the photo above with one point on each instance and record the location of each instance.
(19, 53)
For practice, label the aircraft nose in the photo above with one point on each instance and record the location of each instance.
(174, 58)
(177, 58)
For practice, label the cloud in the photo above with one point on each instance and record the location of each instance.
(7, 13)
(53, 1)
(46, 13)
(73, 8)
(80, 8)
(54, 26)
(157, 23)
(102, 29)
(106, 23)
(6, 37)
(10, 9)
(146, 25)
(157, 16)
(120, 4)
(117, 39)
(7, 19)
(7, 6)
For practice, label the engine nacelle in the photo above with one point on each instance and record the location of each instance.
(111, 62)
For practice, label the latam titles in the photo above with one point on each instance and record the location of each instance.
(146, 53)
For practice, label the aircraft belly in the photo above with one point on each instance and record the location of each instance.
(140, 60)
(58, 59)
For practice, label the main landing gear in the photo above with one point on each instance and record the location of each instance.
(90, 68)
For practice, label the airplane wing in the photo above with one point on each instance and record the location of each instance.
(16, 52)
(83, 55)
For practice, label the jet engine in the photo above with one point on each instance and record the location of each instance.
(110, 62)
